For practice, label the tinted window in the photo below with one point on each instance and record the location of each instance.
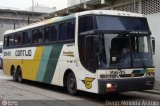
(46, 34)
(87, 54)
(17, 39)
(11, 40)
(6, 41)
(40, 35)
(86, 23)
(34, 36)
(122, 23)
(62, 31)
(53, 33)
(70, 30)
(26, 38)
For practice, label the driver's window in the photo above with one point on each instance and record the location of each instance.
(87, 54)
(91, 57)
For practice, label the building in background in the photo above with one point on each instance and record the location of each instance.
(72, 2)
(41, 9)
(75, 2)
(12, 19)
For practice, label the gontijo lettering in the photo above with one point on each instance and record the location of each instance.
(23, 53)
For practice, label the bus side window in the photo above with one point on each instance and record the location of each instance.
(11, 40)
(34, 36)
(62, 31)
(40, 35)
(6, 42)
(86, 23)
(17, 39)
(53, 33)
(70, 30)
(26, 38)
(46, 34)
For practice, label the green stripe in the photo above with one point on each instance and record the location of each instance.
(52, 63)
(43, 63)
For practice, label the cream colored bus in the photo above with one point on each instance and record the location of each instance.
(98, 51)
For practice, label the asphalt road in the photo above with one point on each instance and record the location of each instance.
(37, 94)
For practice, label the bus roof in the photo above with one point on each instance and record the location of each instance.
(71, 16)
(111, 12)
(41, 23)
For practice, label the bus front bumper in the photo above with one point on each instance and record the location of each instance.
(123, 85)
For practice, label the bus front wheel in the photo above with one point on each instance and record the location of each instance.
(71, 84)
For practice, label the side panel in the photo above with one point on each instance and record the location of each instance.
(43, 63)
(27, 58)
(31, 66)
(52, 63)
(40, 64)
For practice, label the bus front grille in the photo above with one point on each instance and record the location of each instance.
(131, 75)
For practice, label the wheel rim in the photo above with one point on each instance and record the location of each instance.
(14, 75)
(19, 77)
(72, 83)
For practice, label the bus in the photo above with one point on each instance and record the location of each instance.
(97, 51)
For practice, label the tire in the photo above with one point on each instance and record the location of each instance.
(71, 84)
(14, 75)
(19, 75)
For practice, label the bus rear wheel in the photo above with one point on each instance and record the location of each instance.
(71, 84)
(19, 75)
(14, 74)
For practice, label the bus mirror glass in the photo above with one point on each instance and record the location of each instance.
(153, 45)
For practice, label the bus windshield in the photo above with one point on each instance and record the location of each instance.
(114, 46)
(124, 51)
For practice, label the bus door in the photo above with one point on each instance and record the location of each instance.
(91, 61)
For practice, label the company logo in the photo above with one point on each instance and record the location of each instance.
(88, 82)
(71, 54)
(23, 53)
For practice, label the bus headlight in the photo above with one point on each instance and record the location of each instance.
(109, 85)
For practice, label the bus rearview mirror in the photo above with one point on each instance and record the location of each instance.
(153, 45)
